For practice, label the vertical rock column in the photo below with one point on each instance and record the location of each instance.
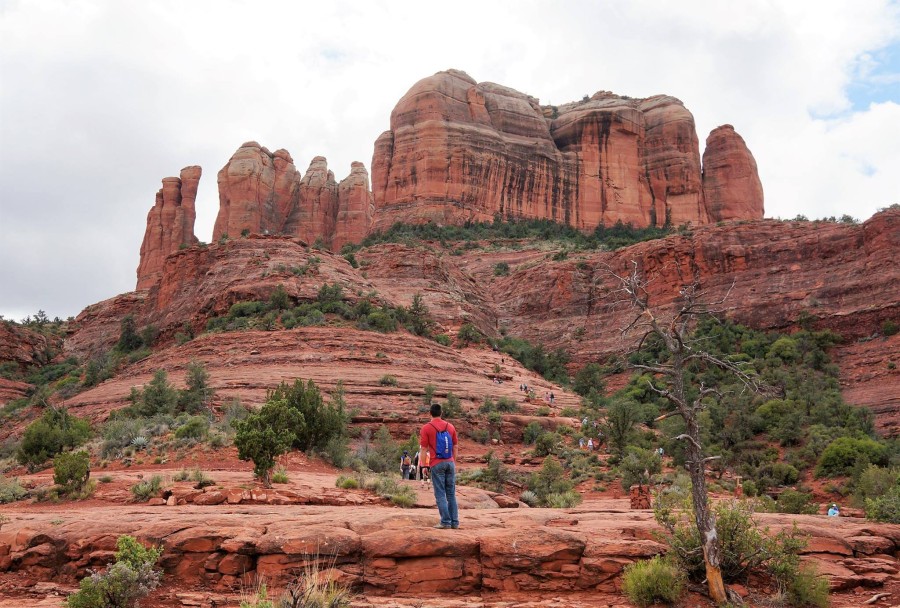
(731, 186)
(170, 224)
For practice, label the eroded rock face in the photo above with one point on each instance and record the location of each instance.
(731, 185)
(258, 191)
(170, 224)
(459, 150)
(264, 193)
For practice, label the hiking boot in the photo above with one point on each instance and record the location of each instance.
(442, 526)
(455, 526)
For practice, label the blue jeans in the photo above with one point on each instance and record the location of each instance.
(443, 478)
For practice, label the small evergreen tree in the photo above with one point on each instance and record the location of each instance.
(267, 434)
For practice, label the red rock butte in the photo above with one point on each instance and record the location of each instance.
(458, 151)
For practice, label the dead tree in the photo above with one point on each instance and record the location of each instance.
(675, 330)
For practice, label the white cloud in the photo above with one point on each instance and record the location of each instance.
(100, 99)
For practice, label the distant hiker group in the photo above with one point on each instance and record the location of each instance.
(415, 467)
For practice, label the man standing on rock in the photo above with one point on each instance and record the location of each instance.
(439, 436)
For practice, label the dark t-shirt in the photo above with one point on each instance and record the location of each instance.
(428, 438)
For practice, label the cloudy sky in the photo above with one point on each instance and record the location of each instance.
(100, 99)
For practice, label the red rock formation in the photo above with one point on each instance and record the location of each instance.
(356, 206)
(258, 191)
(263, 193)
(170, 224)
(23, 347)
(314, 216)
(731, 183)
(461, 150)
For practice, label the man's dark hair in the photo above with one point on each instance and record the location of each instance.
(435, 410)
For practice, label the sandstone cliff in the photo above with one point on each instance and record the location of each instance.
(170, 224)
(264, 193)
(731, 185)
(460, 150)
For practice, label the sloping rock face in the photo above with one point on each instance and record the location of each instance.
(538, 551)
(23, 347)
(731, 185)
(356, 207)
(170, 224)
(460, 150)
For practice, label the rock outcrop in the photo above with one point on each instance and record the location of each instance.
(261, 192)
(170, 224)
(460, 150)
(731, 185)
(258, 192)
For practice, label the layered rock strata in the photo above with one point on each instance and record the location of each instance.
(261, 192)
(460, 150)
(731, 186)
(170, 224)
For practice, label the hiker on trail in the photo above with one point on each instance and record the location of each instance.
(833, 511)
(414, 473)
(552, 397)
(425, 467)
(581, 442)
(405, 465)
(439, 436)
(591, 445)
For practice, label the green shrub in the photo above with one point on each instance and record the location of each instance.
(11, 490)
(452, 407)
(347, 483)
(123, 584)
(321, 423)
(48, 436)
(889, 328)
(501, 269)
(442, 339)
(547, 443)
(842, 454)
(196, 427)
(530, 498)
(549, 480)
(71, 470)
(638, 465)
(650, 581)
(563, 500)
(388, 380)
(280, 475)
(806, 589)
(266, 434)
(744, 548)
(388, 487)
(875, 481)
(146, 489)
(532, 432)
(468, 334)
(792, 501)
(885, 507)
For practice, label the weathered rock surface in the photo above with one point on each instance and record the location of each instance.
(170, 224)
(261, 192)
(460, 150)
(22, 346)
(779, 270)
(731, 186)
(258, 191)
(494, 551)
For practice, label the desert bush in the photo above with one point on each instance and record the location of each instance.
(563, 500)
(320, 422)
(388, 380)
(842, 454)
(196, 427)
(266, 434)
(388, 487)
(123, 584)
(532, 432)
(549, 480)
(11, 490)
(885, 507)
(501, 269)
(71, 470)
(793, 501)
(146, 489)
(650, 581)
(443, 339)
(547, 443)
(452, 407)
(638, 465)
(280, 475)
(468, 334)
(346, 482)
(49, 435)
(875, 481)
(745, 549)
(806, 589)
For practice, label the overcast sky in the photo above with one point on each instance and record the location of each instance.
(99, 100)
